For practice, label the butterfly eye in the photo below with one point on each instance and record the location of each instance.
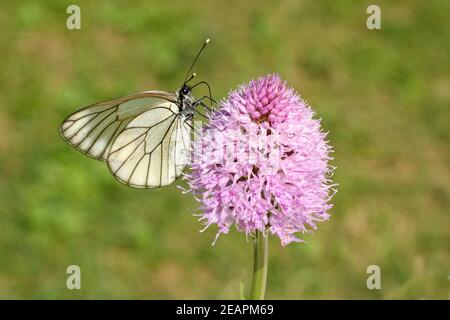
(185, 90)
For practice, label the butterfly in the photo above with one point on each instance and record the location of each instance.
(145, 138)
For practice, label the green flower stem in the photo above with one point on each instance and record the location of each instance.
(260, 254)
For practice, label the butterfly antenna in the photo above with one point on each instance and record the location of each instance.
(196, 57)
(191, 77)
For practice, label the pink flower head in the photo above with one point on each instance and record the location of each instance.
(262, 163)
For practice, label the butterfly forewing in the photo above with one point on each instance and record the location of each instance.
(93, 129)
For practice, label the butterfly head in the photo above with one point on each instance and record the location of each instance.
(185, 93)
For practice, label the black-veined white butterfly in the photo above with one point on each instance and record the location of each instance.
(145, 138)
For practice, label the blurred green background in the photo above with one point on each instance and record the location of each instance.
(383, 94)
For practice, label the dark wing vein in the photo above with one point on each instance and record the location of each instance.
(172, 128)
(150, 153)
(148, 169)
(94, 127)
(103, 131)
(89, 121)
(137, 165)
(131, 153)
(162, 153)
(82, 117)
(175, 149)
(145, 133)
(182, 139)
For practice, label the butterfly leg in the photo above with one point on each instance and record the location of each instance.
(200, 102)
(204, 106)
(190, 126)
(201, 114)
(203, 98)
(209, 91)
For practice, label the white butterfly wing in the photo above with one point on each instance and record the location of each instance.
(93, 129)
(153, 149)
(180, 146)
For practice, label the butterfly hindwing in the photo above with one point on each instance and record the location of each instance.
(180, 145)
(144, 154)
